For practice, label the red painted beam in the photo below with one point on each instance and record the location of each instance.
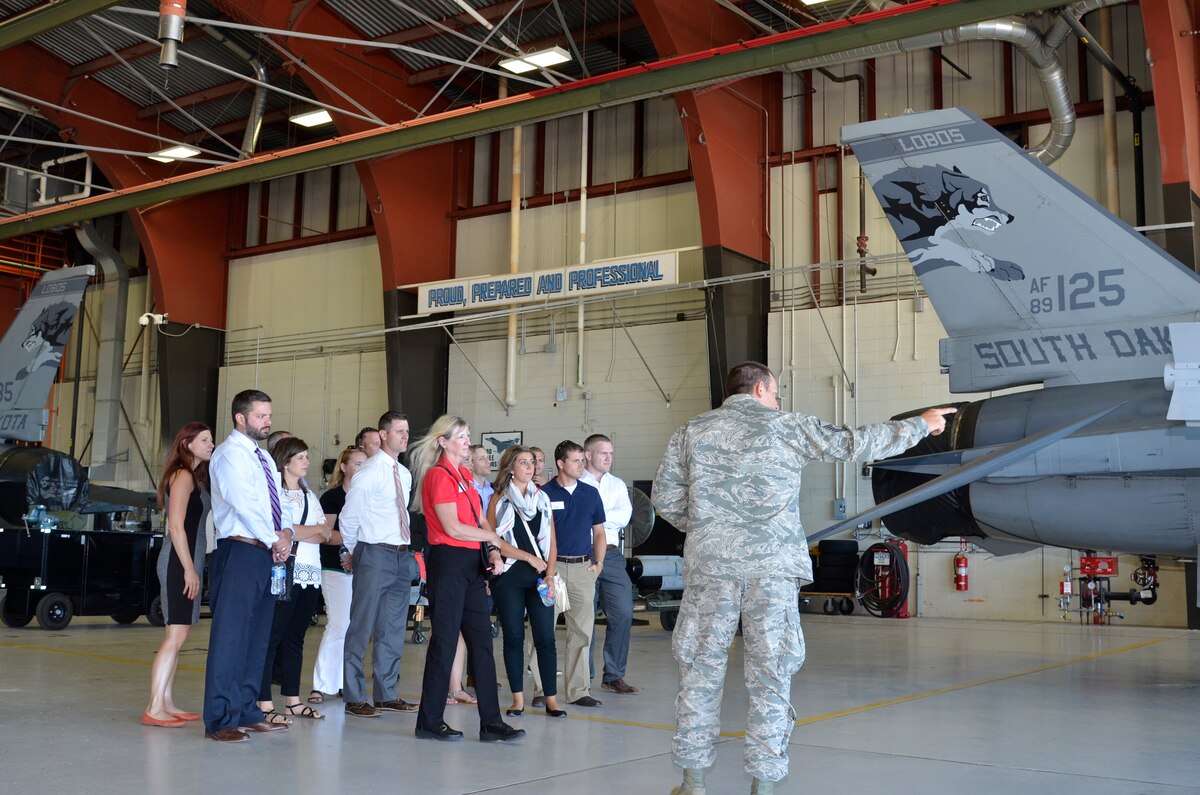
(184, 257)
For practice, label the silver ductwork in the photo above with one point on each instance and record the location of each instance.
(170, 31)
(1037, 49)
(1050, 72)
(258, 107)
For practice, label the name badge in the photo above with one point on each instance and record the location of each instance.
(557, 505)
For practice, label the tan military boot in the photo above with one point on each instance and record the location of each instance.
(693, 783)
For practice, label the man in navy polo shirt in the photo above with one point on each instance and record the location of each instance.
(579, 534)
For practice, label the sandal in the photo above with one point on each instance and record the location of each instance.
(463, 697)
(305, 711)
(276, 719)
(316, 697)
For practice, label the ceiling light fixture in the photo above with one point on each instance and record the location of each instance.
(173, 153)
(312, 118)
(542, 59)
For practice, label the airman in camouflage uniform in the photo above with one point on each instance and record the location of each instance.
(730, 480)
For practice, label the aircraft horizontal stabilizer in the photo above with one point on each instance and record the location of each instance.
(967, 473)
(114, 498)
(932, 464)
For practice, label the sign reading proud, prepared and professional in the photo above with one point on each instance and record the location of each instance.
(603, 276)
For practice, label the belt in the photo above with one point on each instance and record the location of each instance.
(574, 559)
(254, 542)
(392, 547)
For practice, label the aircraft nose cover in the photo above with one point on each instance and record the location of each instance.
(58, 482)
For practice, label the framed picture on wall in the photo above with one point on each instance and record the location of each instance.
(496, 442)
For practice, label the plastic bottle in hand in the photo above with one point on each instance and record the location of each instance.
(278, 579)
(543, 590)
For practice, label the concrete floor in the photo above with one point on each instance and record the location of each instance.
(914, 706)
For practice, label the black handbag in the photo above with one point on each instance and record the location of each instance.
(290, 563)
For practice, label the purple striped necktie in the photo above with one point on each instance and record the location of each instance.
(272, 489)
(402, 505)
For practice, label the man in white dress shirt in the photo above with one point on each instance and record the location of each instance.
(375, 529)
(481, 469)
(253, 528)
(614, 591)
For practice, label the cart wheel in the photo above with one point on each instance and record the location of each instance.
(155, 614)
(418, 637)
(126, 618)
(495, 629)
(15, 620)
(54, 611)
(830, 607)
(846, 606)
(667, 619)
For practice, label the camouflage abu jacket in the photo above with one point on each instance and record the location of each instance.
(730, 480)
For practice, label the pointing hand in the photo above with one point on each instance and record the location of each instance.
(936, 418)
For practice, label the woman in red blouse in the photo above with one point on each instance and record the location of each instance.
(458, 530)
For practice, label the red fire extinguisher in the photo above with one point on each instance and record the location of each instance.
(960, 569)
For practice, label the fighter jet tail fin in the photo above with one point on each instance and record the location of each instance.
(1033, 280)
(32, 348)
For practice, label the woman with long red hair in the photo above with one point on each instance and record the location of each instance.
(183, 490)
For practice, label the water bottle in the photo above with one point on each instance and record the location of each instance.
(543, 590)
(278, 579)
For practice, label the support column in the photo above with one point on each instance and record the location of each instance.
(411, 195)
(189, 368)
(418, 364)
(1173, 41)
(730, 130)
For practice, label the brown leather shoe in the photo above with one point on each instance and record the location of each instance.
(396, 705)
(263, 726)
(361, 709)
(229, 735)
(619, 686)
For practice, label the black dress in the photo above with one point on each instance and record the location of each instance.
(177, 608)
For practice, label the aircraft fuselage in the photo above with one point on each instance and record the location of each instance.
(1129, 483)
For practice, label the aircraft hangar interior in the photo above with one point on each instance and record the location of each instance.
(570, 219)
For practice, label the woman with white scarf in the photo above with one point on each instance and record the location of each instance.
(521, 514)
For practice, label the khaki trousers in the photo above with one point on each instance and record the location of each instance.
(581, 618)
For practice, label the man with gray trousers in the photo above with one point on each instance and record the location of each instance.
(375, 529)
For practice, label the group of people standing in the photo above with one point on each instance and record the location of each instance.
(730, 480)
(485, 542)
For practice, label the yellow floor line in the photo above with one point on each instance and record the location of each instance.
(891, 702)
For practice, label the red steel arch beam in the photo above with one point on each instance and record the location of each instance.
(731, 131)
(1173, 39)
(410, 195)
(186, 259)
(724, 125)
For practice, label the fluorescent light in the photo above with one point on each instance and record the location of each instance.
(551, 56)
(312, 118)
(173, 153)
(517, 66)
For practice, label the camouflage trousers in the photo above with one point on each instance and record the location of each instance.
(774, 651)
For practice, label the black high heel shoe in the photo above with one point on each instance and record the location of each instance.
(556, 713)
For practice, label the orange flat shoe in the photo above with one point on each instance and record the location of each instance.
(186, 715)
(150, 720)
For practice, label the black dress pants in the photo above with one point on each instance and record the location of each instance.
(291, 621)
(458, 602)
